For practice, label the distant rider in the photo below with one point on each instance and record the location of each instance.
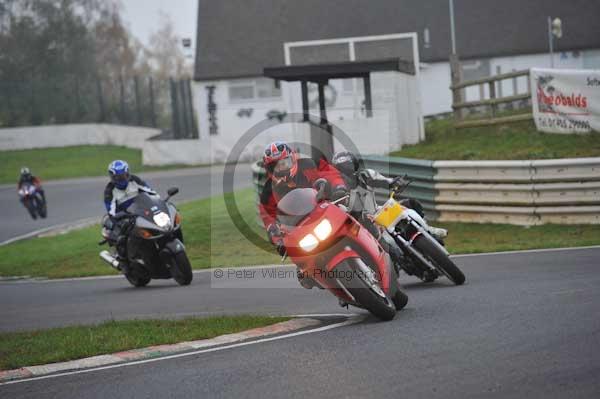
(286, 171)
(119, 193)
(27, 177)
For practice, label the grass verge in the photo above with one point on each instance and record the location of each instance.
(504, 142)
(76, 342)
(212, 240)
(466, 238)
(68, 162)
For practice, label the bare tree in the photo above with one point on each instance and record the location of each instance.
(165, 54)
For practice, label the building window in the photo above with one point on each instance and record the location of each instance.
(238, 93)
(267, 88)
(257, 89)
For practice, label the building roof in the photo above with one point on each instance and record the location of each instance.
(337, 70)
(240, 38)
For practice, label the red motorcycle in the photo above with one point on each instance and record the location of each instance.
(338, 253)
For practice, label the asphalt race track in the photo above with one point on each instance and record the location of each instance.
(524, 325)
(73, 200)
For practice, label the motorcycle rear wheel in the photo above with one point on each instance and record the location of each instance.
(137, 281)
(441, 260)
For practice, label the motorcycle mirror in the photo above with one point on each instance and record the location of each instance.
(172, 191)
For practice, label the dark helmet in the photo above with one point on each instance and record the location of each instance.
(119, 173)
(346, 162)
(280, 161)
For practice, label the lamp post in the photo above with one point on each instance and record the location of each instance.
(554, 30)
(455, 68)
(452, 35)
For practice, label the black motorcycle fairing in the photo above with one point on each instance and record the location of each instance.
(147, 205)
(156, 251)
(175, 246)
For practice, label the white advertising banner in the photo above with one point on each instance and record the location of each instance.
(566, 100)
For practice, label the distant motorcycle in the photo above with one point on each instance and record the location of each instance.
(410, 231)
(152, 241)
(33, 200)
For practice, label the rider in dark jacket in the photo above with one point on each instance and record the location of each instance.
(28, 177)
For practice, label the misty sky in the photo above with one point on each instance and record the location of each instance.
(142, 17)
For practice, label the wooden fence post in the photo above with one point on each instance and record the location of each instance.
(456, 78)
(493, 106)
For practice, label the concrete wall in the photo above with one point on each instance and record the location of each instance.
(19, 138)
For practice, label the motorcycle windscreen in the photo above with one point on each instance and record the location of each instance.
(145, 205)
(296, 205)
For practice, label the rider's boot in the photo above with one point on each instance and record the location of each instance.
(437, 232)
(306, 281)
(429, 276)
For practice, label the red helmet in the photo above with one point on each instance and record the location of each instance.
(280, 161)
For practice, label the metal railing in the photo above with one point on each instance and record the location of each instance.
(562, 191)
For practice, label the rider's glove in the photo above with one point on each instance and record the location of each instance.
(339, 192)
(323, 187)
(398, 182)
(274, 233)
(364, 177)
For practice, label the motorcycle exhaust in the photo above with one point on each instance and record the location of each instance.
(111, 260)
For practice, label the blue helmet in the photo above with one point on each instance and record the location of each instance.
(119, 173)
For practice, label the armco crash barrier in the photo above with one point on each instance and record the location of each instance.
(562, 191)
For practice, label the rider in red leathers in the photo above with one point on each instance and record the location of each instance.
(287, 170)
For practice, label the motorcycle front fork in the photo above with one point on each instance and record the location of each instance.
(414, 262)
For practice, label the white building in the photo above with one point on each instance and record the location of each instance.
(237, 40)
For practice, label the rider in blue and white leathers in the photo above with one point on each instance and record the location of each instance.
(119, 193)
(122, 188)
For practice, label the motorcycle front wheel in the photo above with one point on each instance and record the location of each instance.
(181, 269)
(439, 258)
(380, 306)
(30, 208)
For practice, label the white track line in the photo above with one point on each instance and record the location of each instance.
(525, 251)
(83, 223)
(350, 321)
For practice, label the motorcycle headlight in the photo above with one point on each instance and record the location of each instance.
(162, 219)
(309, 242)
(323, 230)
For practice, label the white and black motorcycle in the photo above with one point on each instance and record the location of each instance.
(149, 238)
(425, 254)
